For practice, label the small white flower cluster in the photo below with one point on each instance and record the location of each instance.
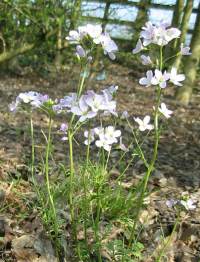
(63, 129)
(188, 204)
(97, 36)
(159, 35)
(34, 99)
(159, 78)
(144, 124)
(89, 104)
(106, 137)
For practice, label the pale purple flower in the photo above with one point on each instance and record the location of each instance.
(112, 89)
(146, 81)
(111, 134)
(94, 31)
(159, 34)
(94, 100)
(146, 60)
(172, 33)
(66, 103)
(76, 36)
(109, 92)
(144, 124)
(148, 33)
(171, 203)
(34, 99)
(185, 50)
(176, 78)
(80, 51)
(122, 146)
(98, 130)
(27, 97)
(64, 138)
(108, 45)
(103, 143)
(14, 105)
(97, 37)
(124, 115)
(107, 137)
(160, 78)
(165, 111)
(64, 127)
(82, 110)
(138, 47)
(189, 204)
(89, 135)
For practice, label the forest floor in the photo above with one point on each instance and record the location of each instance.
(22, 237)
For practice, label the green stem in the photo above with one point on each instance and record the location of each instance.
(97, 223)
(32, 149)
(81, 85)
(47, 178)
(71, 190)
(155, 153)
(158, 259)
(85, 189)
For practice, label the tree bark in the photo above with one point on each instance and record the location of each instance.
(176, 22)
(58, 57)
(191, 65)
(178, 10)
(184, 28)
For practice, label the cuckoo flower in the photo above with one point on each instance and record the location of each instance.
(138, 47)
(165, 111)
(63, 129)
(146, 60)
(66, 103)
(171, 203)
(160, 78)
(148, 32)
(122, 146)
(176, 78)
(146, 81)
(93, 32)
(80, 52)
(89, 135)
(34, 99)
(107, 137)
(159, 34)
(188, 204)
(124, 115)
(94, 100)
(144, 124)
(108, 45)
(185, 50)
(83, 110)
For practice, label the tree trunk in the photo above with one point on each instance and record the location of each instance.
(177, 14)
(191, 65)
(176, 22)
(58, 57)
(184, 28)
(75, 14)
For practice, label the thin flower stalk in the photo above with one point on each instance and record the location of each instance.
(153, 160)
(48, 148)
